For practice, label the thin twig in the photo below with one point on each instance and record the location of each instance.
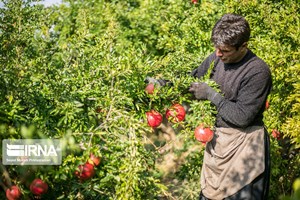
(5, 174)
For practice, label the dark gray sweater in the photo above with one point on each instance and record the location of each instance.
(245, 86)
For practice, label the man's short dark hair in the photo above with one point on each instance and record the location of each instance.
(231, 29)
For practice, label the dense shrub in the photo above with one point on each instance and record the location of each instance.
(76, 72)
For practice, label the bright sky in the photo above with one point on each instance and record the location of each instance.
(50, 2)
(45, 2)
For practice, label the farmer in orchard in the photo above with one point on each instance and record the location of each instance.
(236, 162)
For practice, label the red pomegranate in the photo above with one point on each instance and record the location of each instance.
(13, 193)
(176, 113)
(149, 88)
(38, 187)
(276, 134)
(203, 134)
(94, 160)
(154, 118)
(85, 171)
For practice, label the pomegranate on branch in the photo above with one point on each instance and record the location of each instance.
(13, 193)
(203, 134)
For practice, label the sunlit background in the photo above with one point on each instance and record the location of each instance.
(46, 2)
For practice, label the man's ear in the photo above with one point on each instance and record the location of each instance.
(245, 44)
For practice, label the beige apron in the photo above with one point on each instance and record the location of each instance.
(233, 159)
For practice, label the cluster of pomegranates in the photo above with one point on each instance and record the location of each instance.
(38, 187)
(176, 113)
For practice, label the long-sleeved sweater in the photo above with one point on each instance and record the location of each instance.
(245, 86)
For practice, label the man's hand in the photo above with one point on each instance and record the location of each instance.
(159, 82)
(202, 91)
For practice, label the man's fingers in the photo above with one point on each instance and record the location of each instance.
(191, 89)
(150, 80)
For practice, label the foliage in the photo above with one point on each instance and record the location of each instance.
(76, 72)
(296, 189)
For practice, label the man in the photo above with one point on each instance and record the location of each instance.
(236, 162)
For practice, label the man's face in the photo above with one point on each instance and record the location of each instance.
(230, 54)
